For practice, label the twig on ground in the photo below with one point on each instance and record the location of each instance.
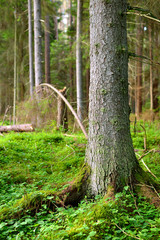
(149, 187)
(143, 155)
(127, 233)
(155, 191)
(140, 158)
(5, 114)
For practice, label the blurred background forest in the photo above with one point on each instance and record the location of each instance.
(59, 41)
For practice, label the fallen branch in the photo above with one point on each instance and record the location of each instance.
(5, 114)
(69, 106)
(143, 155)
(140, 158)
(17, 128)
(127, 234)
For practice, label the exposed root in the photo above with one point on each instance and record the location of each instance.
(148, 187)
(150, 193)
(34, 201)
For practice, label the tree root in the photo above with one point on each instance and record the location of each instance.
(33, 202)
(143, 185)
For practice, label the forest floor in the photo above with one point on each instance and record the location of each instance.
(35, 165)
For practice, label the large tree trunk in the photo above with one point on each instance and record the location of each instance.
(30, 47)
(79, 62)
(139, 51)
(110, 152)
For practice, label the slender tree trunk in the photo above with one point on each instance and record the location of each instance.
(56, 27)
(151, 64)
(15, 69)
(71, 73)
(110, 152)
(139, 68)
(156, 82)
(30, 41)
(37, 42)
(79, 62)
(87, 87)
(47, 50)
(62, 119)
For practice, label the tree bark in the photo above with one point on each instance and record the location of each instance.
(30, 40)
(62, 119)
(37, 42)
(110, 152)
(56, 27)
(151, 64)
(79, 62)
(71, 70)
(156, 82)
(138, 99)
(47, 50)
(17, 128)
(87, 87)
(15, 69)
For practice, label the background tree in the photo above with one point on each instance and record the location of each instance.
(37, 42)
(30, 43)
(79, 62)
(139, 73)
(47, 50)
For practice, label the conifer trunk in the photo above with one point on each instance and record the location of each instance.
(110, 152)
(151, 64)
(30, 39)
(79, 63)
(138, 99)
(37, 42)
(47, 50)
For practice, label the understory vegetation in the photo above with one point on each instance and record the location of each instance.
(35, 166)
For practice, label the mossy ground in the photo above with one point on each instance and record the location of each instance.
(35, 166)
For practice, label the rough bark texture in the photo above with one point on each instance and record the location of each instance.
(110, 153)
(37, 42)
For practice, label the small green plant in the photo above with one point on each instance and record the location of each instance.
(35, 165)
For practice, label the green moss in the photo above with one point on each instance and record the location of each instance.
(114, 121)
(103, 110)
(145, 178)
(103, 91)
(83, 175)
(107, 1)
(32, 202)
